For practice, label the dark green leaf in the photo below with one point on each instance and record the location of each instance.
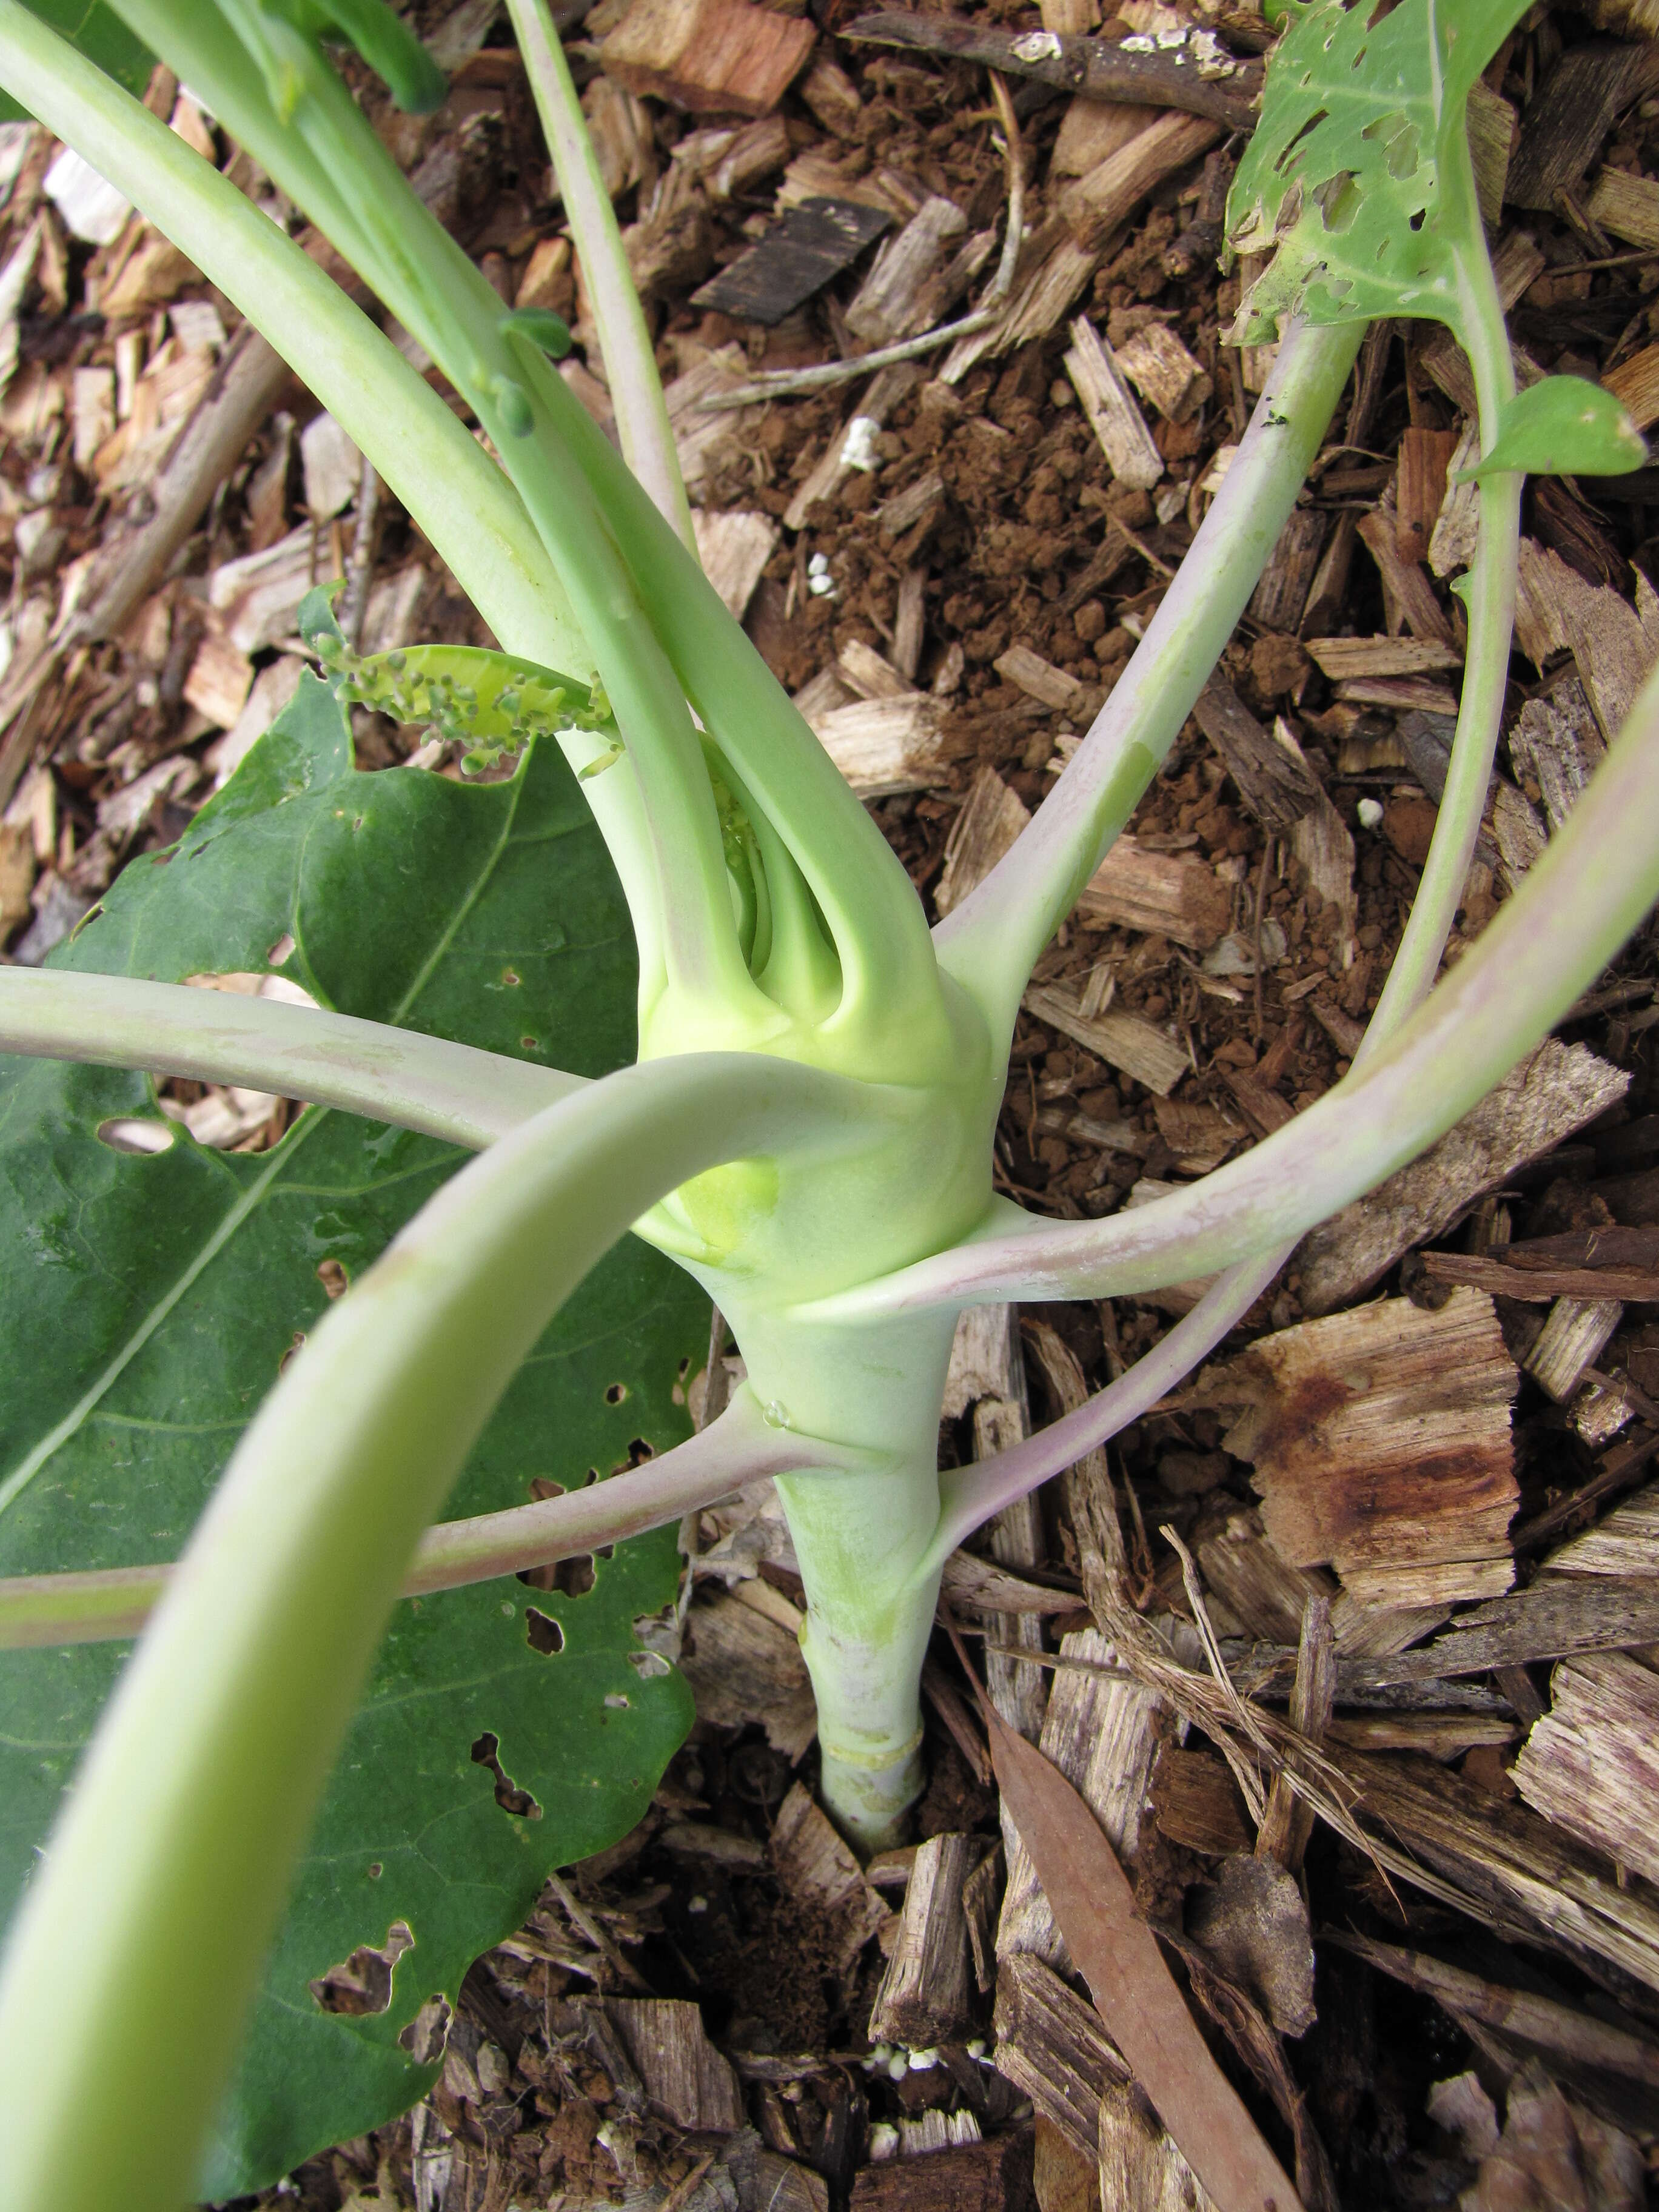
(101, 36)
(147, 1302)
(1563, 426)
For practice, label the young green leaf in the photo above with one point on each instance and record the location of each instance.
(1563, 426)
(390, 49)
(1345, 182)
(544, 328)
(173, 1284)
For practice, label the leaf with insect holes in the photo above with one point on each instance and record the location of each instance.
(98, 33)
(1563, 426)
(1358, 179)
(147, 1301)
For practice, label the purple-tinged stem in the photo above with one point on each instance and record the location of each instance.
(104, 1604)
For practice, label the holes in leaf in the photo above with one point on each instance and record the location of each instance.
(647, 1665)
(616, 1702)
(362, 1984)
(509, 976)
(529, 1044)
(508, 1796)
(428, 2033)
(127, 1132)
(282, 950)
(375, 1870)
(293, 1353)
(333, 1277)
(542, 1634)
(616, 1394)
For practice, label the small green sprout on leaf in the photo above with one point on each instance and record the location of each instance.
(1563, 426)
(491, 704)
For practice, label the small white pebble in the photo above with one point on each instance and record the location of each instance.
(858, 448)
(1370, 812)
(898, 2066)
(697, 1904)
(977, 2048)
(921, 2060)
(884, 2142)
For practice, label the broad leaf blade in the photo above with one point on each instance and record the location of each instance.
(1343, 181)
(149, 1301)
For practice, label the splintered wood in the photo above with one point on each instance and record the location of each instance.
(1553, 1092)
(715, 57)
(926, 1994)
(1591, 1764)
(1382, 1447)
(991, 819)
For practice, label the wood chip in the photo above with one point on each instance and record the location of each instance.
(685, 2079)
(926, 1995)
(734, 546)
(1171, 893)
(1091, 131)
(1196, 1802)
(1626, 1543)
(898, 296)
(1040, 679)
(1052, 271)
(743, 1667)
(1343, 658)
(1051, 2045)
(991, 819)
(1110, 406)
(1122, 1041)
(807, 247)
(1569, 116)
(1382, 1447)
(1592, 1764)
(1572, 1339)
(1096, 204)
(259, 595)
(1268, 767)
(1139, 2165)
(714, 57)
(219, 682)
(1280, 596)
(1523, 1872)
(1287, 1820)
(1553, 1092)
(1613, 645)
(815, 1866)
(1256, 1584)
(1560, 2031)
(1408, 597)
(886, 745)
(1425, 457)
(1163, 373)
(975, 2177)
(1635, 382)
(1627, 206)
